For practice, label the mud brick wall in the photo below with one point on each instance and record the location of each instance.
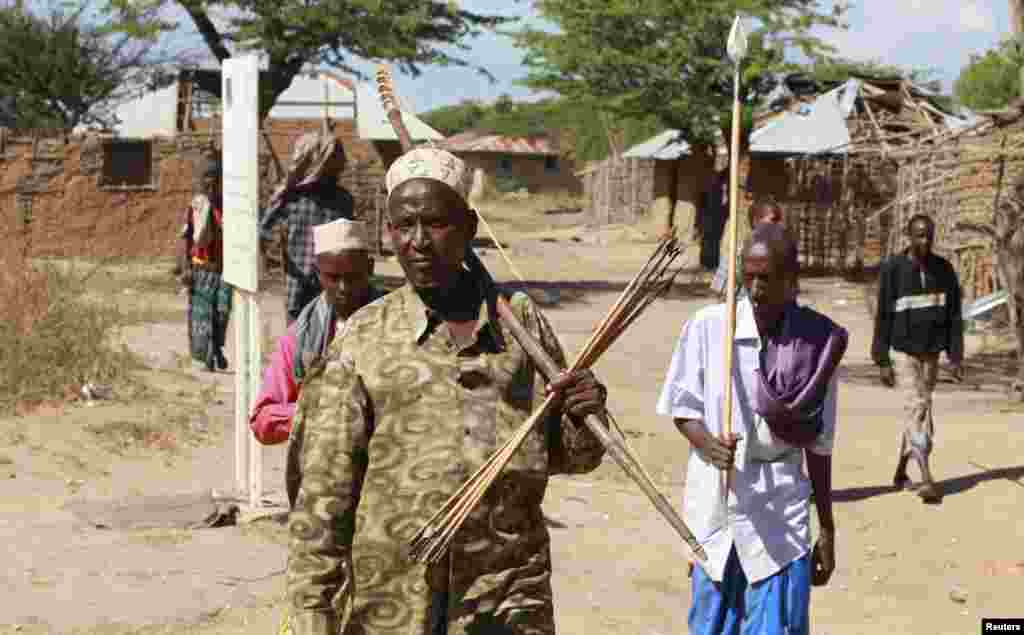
(50, 191)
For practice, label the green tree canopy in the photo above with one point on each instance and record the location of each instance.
(668, 59)
(294, 34)
(991, 80)
(58, 70)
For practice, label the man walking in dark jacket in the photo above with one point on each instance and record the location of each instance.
(919, 316)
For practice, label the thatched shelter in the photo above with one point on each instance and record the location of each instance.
(827, 153)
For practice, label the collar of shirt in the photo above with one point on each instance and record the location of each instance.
(424, 320)
(746, 325)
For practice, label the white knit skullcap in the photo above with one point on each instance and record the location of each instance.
(340, 234)
(430, 163)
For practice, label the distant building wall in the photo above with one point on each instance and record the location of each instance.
(78, 196)
(535, 173)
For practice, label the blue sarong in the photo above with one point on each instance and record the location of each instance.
(778, 605)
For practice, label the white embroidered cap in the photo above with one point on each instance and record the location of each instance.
(340, 234)
(430, 163)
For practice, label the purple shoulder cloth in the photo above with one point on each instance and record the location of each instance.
(796, 368)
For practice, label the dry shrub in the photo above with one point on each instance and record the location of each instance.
(153, 429)
(52, 338)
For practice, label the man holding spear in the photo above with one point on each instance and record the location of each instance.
(417, 391)
(757, 533)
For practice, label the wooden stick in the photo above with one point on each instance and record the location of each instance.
(878, 129)
(730, 302)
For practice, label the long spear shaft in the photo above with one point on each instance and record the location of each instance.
(737, 50)
(730, 301)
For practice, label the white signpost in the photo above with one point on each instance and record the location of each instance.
(240, 108)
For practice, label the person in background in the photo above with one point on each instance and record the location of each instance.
(919, 315)
(308, 196)
(761, 212)
(202, 244)
(344, 268)
(710, 225)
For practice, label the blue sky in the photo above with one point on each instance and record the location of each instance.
(937, 34)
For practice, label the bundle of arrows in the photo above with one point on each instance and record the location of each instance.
(653, 280)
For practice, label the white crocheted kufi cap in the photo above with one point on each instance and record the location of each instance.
(340, 234)
(430, 163)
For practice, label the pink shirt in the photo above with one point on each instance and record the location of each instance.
(271, 418)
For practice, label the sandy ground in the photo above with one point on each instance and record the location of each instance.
(96, 538)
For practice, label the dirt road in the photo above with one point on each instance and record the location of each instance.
(96, 540)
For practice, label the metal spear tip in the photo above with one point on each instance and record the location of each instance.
(737, 46)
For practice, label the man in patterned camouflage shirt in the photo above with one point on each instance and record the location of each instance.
(417, 391)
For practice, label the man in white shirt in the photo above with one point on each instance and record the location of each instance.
(760, 562)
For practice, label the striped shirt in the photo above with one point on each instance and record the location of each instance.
(919, 309)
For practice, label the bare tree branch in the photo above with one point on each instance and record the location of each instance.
(207, 29)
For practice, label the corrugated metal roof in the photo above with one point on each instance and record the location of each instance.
(473, 141)
(311, 96)
(815, 128)
(373, 124)
(820, 127)
(666, 146)
(153, 114)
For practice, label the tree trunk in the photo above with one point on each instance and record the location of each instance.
(1017, 16)
(1017, 28)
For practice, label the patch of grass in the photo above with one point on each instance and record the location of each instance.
(108, 276)
(122, 436)
(52, 337)
(515, 213)
(149, 313)
(156, 430)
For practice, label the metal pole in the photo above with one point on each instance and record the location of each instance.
(241, 393)
(252, 379)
